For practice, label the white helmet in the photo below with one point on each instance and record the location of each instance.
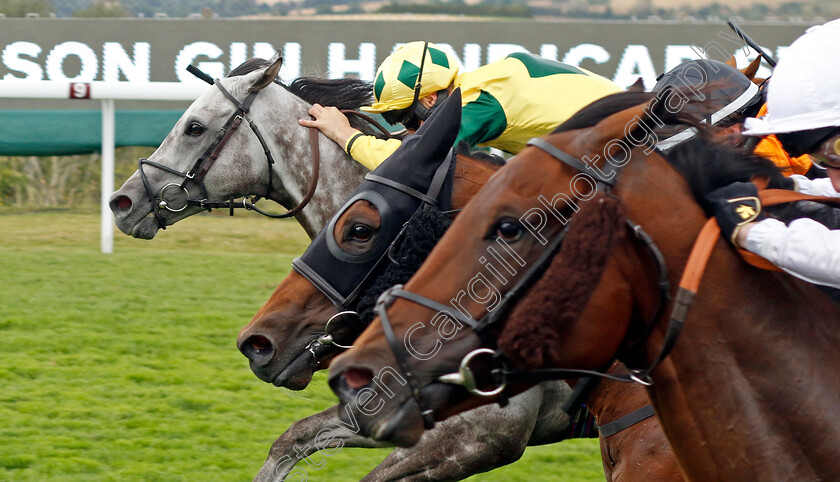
(804, 91)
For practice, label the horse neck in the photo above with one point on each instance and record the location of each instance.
(611, 400)
(721, 394)
(339, 175)
(470, 175)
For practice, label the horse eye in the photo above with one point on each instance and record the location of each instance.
(360, 232)
(509, 230)
(195, 129)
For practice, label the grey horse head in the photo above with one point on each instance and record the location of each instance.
(241, 167)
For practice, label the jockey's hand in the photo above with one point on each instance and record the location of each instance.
(735, 206)
(782, 182)
(331, 122)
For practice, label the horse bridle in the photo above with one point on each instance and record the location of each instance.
(325, 344)
(465, 377)
(199, 169)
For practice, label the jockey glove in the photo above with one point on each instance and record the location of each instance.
(781, 182)
(734, 206)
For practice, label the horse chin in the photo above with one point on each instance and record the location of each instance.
(404, 426)
(147, 228)
(297, 374)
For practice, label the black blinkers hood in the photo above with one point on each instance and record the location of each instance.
(413, 175)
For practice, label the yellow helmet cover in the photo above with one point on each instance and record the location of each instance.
(396, 78)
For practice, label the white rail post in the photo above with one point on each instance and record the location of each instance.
(107, 218)
(107, 92)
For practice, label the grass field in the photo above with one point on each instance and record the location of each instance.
(123, 367)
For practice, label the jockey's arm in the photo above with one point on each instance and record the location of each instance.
(804, 248)
(366, 150)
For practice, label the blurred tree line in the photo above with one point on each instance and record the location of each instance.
(61, 181)
(499, 8)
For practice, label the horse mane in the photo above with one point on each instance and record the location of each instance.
(596, 111)
(422, 233)
(349, 94)
(705, 164)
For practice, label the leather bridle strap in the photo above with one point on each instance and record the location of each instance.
(402, 360)
(570, 160)
(316, 171)
(203, 163)
(626, 421)
(201, 166)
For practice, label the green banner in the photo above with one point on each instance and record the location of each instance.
(66, 132)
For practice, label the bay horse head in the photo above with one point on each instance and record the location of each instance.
(241, 138)
(378, 238)
(426, 337)
(604, 302)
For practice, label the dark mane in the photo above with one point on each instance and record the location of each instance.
(602, 108)
(341, 93)
(705, 164)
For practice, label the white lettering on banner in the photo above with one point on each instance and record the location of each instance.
(578, 53)
(468, 62)
(339, 66)
(549, 51)
(56, 57)
(26, 60)
(116, 60)
(635, 63)
(677, 54)
(237, 54)
(500, 51)
(190, 52)
(12, 60)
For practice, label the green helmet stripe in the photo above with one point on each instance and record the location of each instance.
(408, 74)
(438, 57)
(379, 85)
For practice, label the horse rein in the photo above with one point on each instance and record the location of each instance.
(205, 161)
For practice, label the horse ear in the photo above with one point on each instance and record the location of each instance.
(269, 74)
(751, 69)
(638, 86)
(732, 62)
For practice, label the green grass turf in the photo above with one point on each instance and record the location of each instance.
(123, 367)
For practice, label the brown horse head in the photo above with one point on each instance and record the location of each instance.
(600, 273)
(279, 340)
(502, 231)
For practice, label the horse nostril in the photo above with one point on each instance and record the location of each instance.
(260, 343)
(357, 378)
(258, 348)
(121, 203)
